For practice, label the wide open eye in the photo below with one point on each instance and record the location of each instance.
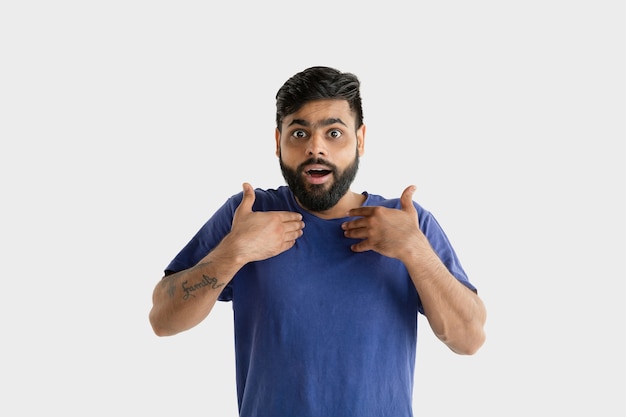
(335, 133)
(299, 134)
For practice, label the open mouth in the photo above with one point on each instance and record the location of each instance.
(318, 173)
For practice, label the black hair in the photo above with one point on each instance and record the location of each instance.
(318, 83)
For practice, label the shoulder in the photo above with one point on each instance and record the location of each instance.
(378, 200)
(280, 198)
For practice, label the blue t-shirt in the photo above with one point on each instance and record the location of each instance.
(321, 331)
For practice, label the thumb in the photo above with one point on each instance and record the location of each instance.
(248, 198)
(406, 199)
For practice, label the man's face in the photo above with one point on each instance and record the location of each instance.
(319, 152)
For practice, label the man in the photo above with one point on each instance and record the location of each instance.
(326, 283)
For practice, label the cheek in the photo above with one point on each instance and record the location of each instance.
(289, 152)
(348, 153)
(288, 158)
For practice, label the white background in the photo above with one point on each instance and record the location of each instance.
(125, 124)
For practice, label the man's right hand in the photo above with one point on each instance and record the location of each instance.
(259, 235)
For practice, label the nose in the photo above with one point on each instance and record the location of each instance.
(316, 146)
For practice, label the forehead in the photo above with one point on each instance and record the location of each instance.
(319, 110)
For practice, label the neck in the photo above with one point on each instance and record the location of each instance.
(349, 201)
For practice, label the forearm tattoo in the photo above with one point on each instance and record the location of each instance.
(188, 290)
(171, 289)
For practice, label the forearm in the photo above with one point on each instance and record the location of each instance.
(455, 313)
(182, 300)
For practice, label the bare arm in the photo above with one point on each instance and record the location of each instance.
(455, 313)
(182, 300)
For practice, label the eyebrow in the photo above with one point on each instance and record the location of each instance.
(325, 122)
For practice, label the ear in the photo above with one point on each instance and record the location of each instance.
(360, 140)
(277, 136)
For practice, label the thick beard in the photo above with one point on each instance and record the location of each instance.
(316, 197)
